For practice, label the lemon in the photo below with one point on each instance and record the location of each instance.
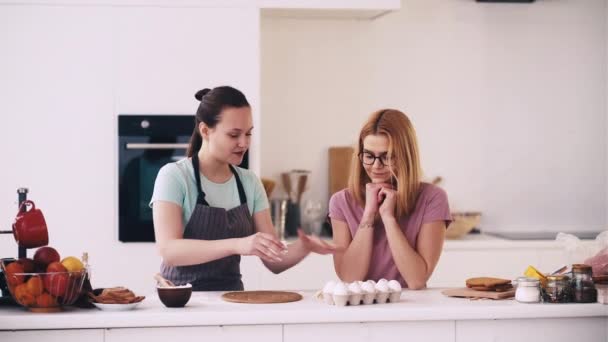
(73, 264)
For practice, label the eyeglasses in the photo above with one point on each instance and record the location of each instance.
(369, 159)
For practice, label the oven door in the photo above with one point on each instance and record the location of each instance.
(145, 144)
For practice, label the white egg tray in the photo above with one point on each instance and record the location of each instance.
(358, 292)
(360, 298)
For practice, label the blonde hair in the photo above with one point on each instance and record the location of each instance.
(402, 148)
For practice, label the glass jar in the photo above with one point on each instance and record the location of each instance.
(583, 288)
(601, 285)
(528, 290)
(557, 290)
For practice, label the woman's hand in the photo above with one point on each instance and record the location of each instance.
(314, 244)
(373, 198)
(387, 208)
(264, 245)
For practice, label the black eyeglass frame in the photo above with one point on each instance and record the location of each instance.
(384, 155)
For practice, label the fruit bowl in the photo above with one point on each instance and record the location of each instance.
(44, 291)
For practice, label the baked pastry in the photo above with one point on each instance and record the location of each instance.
(116, 295)
(489, 284)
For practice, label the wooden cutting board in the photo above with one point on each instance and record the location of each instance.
(339, 168)
(469, 293)
(261, 297)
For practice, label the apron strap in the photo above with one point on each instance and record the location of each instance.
(200, 199)
(239, 185)
(201, 194)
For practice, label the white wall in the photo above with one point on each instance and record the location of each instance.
(509, 102)
(66, 74)
(313, 90)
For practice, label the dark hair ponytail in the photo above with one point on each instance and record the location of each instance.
(213, 101)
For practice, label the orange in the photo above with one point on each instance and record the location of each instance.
(35, 286)
(11, 277)
(45, 300)
(23, 296)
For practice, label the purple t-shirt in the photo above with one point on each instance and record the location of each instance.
(432, 205)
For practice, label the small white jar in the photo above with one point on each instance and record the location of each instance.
(528, 290)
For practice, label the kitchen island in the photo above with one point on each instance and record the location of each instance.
(419, 315)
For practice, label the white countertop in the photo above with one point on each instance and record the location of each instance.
(207, 308)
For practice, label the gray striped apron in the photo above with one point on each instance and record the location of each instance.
(212, 223)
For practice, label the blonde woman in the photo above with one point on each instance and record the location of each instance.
(388, 223)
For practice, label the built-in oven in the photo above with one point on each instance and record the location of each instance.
(145, 144)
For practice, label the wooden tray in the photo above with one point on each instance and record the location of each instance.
(261, 297)
(469, 293)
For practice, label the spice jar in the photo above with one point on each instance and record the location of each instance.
(601, 284)
(557, 290)
(583, 288)
(528, 290)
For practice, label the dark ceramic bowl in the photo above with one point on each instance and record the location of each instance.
(174, 297)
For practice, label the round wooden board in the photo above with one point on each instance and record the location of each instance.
(261, 297)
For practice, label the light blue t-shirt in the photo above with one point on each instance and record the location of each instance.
(176, 183)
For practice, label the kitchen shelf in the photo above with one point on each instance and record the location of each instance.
(328, 9)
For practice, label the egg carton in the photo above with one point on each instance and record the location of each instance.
(341, 294)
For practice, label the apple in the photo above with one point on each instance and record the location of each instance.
(28, 264)
(56, 283)
(46, 255)
(56, 266)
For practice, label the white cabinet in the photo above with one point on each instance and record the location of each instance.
(592, 329)
(227, 333)
(370, 332)
(77, 335)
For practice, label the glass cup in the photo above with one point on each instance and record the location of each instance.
(313, 215)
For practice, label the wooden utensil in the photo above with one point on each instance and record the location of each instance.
(340, 159)
(470, 293)
(162, 281)
(301, 185)
(261, 297)
(286, 183)
(268, 186)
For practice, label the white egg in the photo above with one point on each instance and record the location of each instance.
(354, 288)
(368, 288)
(383, 281)
(373, 283)
(329, 287)
(340, 289)
(394, 285)
(382, 286)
